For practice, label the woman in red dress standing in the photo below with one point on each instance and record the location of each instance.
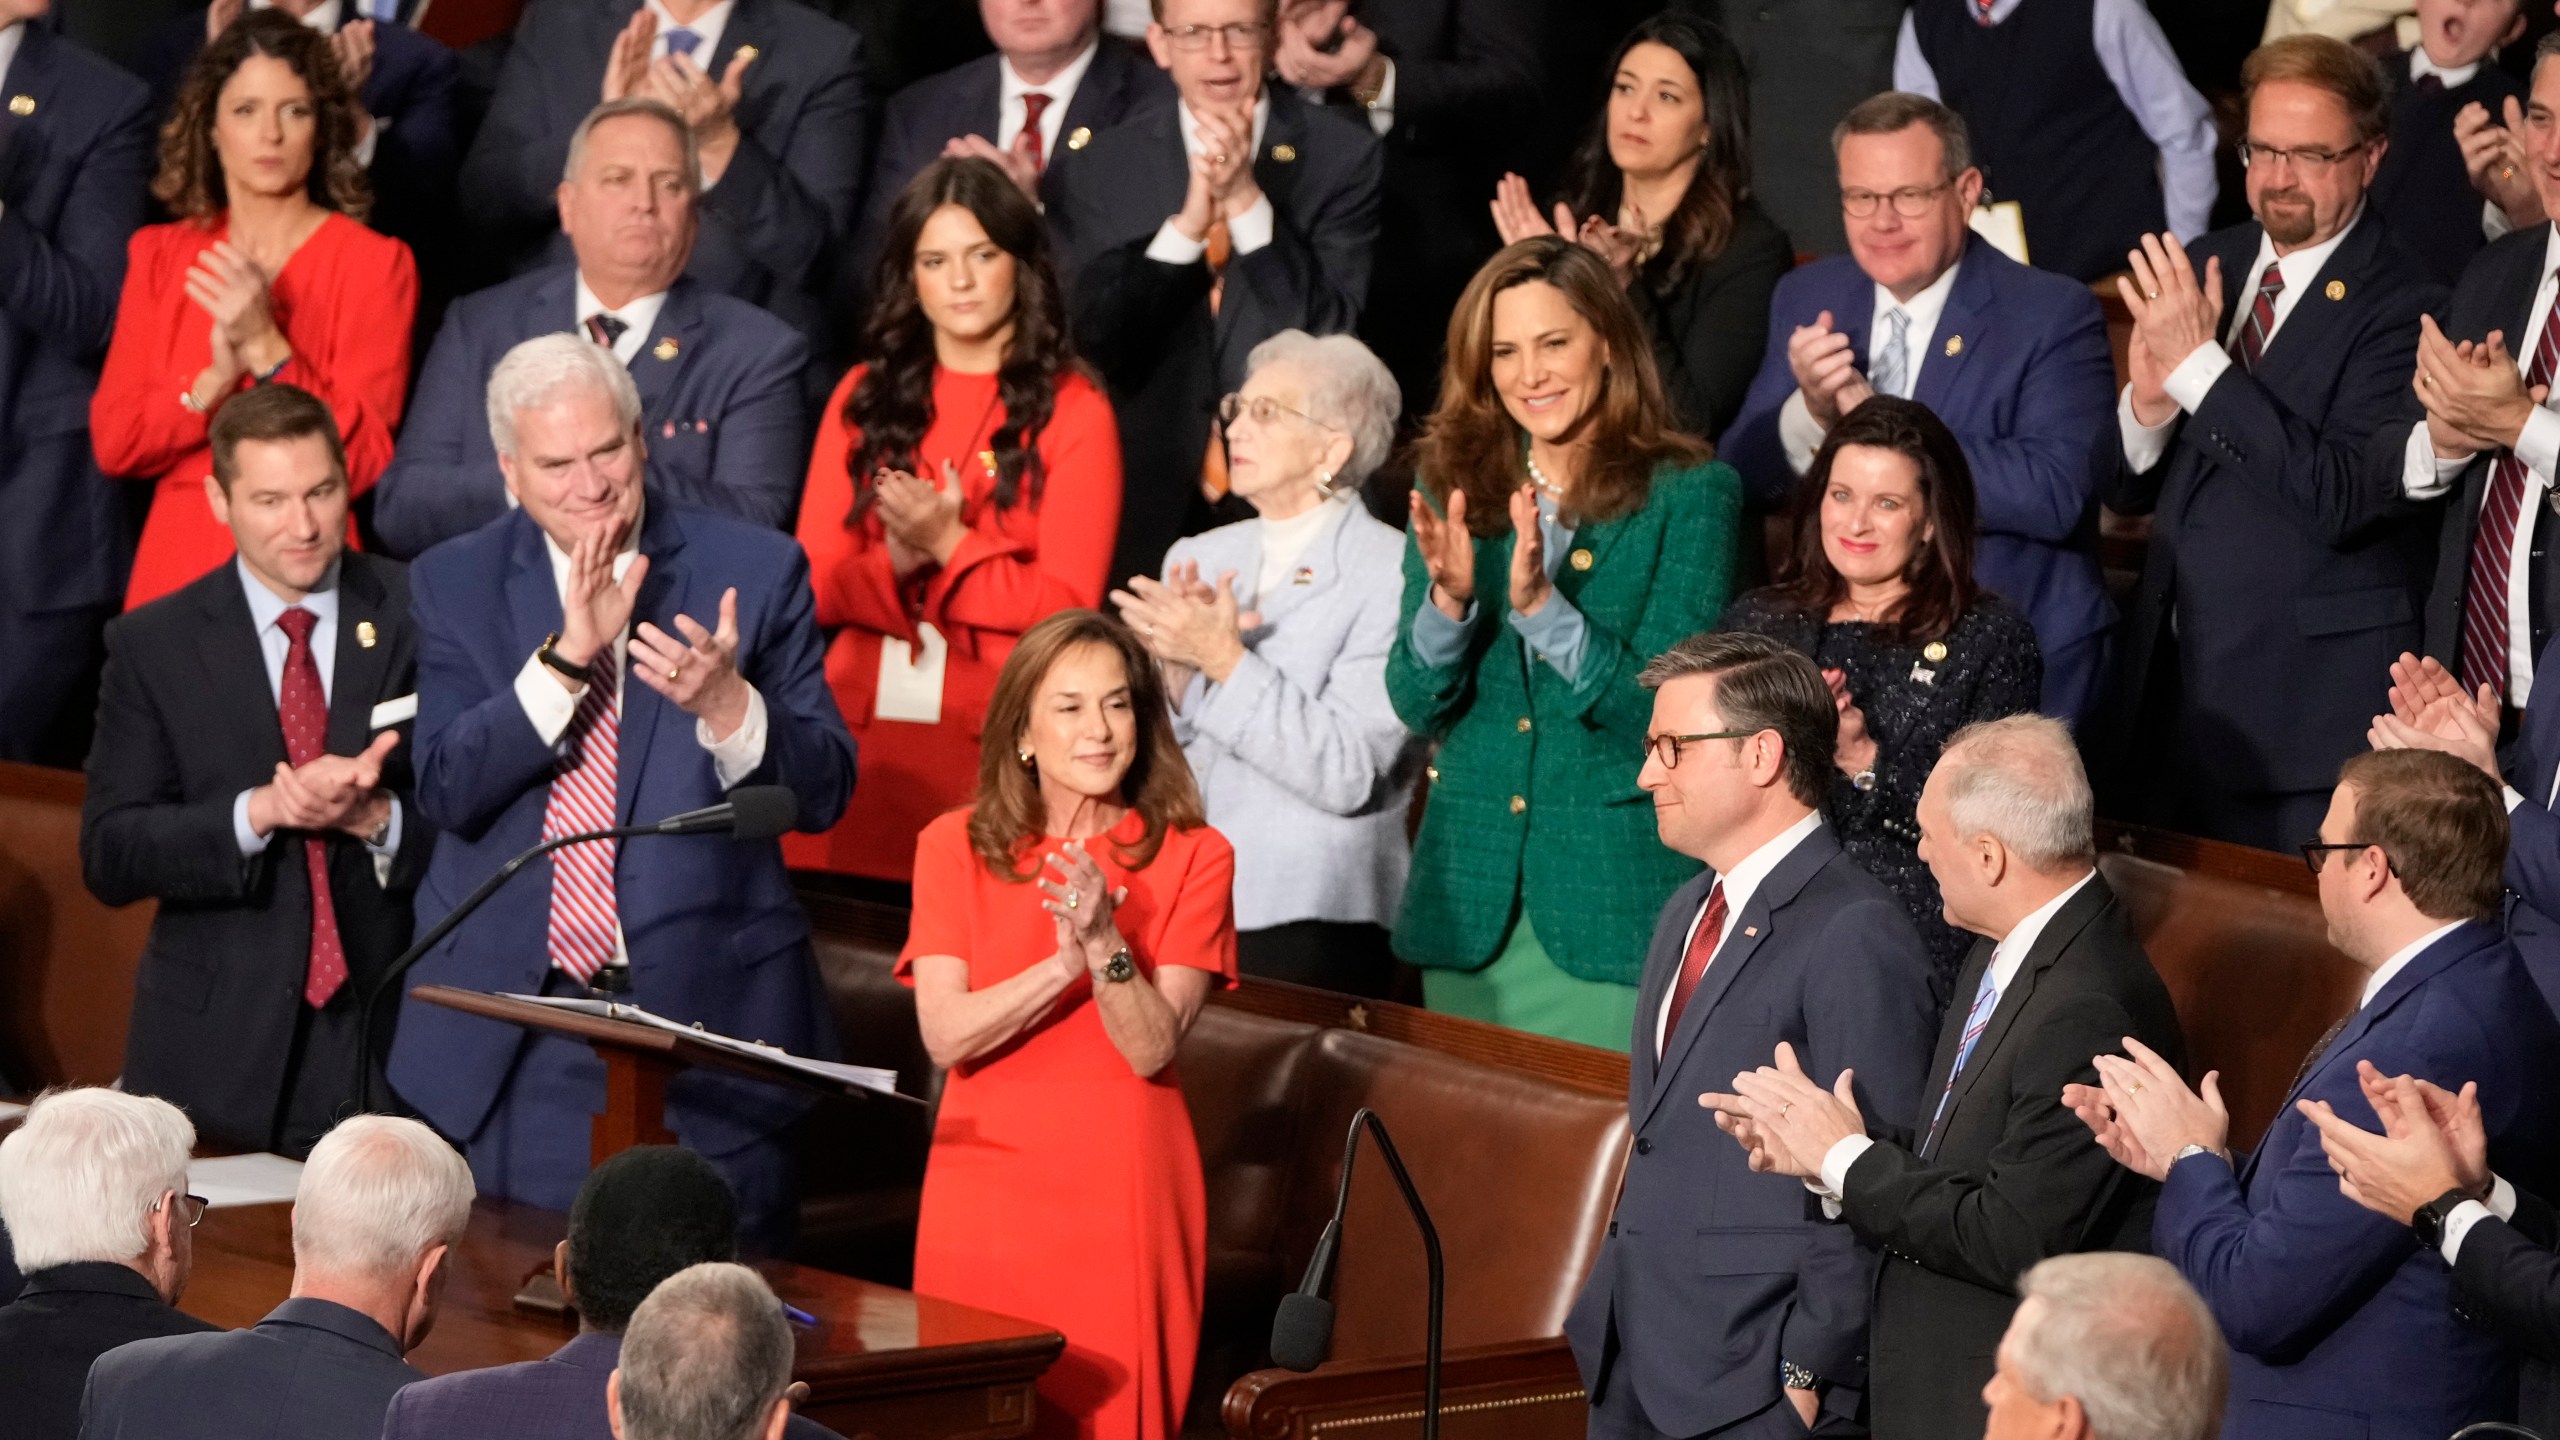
(268, 273)
(966, 484)
(1067, 928)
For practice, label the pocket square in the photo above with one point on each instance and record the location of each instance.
(393, 712)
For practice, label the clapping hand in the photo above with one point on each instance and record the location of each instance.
(1077, 895)
(710, 107)
(1787, 1122)
(1826, 371)
(1015, 161)
(328, 792)
(2432, 1142)
(352, 47)
(1187, 625)
(2429, 711)
(698, 673)
(1322, 46)
(1516, 217)
(2143, 1113)
(2475, 392)
(1855, 751)
(626, 65)
(923, 520)
(1448, 551)
(1620, 247)
(593, 605)
(1530, 585)
(2493, 156)
(2174, 313)
(230, 287)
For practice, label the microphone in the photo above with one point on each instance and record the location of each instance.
(752, 812)
(1302, 1329)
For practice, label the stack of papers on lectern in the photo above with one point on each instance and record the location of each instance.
(866, 1077)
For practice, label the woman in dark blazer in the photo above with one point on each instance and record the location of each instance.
(1663, 188)
(1563, 533)
(1879, 591)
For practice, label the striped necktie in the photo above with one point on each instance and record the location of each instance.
(2252, 344)
(1893, 361)
(2485, 619)
(583, 923)
(1986, 999)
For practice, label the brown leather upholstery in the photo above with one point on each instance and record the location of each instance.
(66, 962)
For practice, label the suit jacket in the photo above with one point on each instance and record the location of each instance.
(558, 1397)
(1810, 60)
(1146, 324)
(1704, 1258)
(2422, 184)
(2533, 843)
(74, 172)
(66, 1318)
(2507, 1277)
(186, 721)
(720, 408)
(786, 199)
(2293, 577)
(2339, 1324)
(2026, 391)
(714, 932)
(2008, 1177)
(311, 1370)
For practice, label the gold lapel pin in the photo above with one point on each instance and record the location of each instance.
(748, 52)
(666, 348)
(1284, 153)
(1305, 576)
(1750, 930)
(1079, 137)
(987, 462)
(1955, 346)
(365, 634)
(1580, 559)
(22, 104)
(2337, 290)
(1934, 651)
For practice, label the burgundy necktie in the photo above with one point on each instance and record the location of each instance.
(1693, 966)
(1033, 102)
(582, 798)
(606, 330)
(2493, 540)
(1982, 11)
(2252, 344)
(302, 708)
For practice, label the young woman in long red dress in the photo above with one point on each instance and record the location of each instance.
(965, 485)
(268, 273)
(1067, 928)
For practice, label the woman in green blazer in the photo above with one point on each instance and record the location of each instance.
(1563, 534)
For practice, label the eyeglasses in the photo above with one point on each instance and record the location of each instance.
(1910, 202)
(1665, 749)
(2306, 159)
(1243, 35)
(2315, 853)
(195, 1205)
(1264, 410)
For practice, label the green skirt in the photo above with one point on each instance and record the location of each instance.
(1526, 990)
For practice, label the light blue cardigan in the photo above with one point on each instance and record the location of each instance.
(1302, 762)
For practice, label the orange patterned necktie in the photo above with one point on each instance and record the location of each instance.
(1213, 465)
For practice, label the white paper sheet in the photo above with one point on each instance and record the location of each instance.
(245, 1179)
(865, 1077)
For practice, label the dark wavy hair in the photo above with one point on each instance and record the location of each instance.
(190, 182)
(892, 407)
(1703, 224)
(1940, 571)
(1471, 443)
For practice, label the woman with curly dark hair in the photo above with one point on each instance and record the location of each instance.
(267, 273)
(965, 485)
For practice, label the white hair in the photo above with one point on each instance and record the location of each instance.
(376, 1195)
(1348, 388)
(536, 370)
(705, 1356)
(657, 110)
(2130, 1339)
(2020, 781)
(84, 1170)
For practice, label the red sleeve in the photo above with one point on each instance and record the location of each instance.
(366, 382)
(990, 584)
(1200, 925)
(854, 581)
(945, 890)
(135, 421)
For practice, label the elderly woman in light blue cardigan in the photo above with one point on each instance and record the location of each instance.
(1273, 633)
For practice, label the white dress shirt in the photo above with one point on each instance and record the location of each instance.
(2399, 961)
(2006, 959)
(2192, 378)
(2424, 477)
(1247, 232)
(1739, 885)
(10, 37)
(1797, 431)
(2501, 1203)
(709, 25)
(1061, 90)
(265, 608)
(638, 318)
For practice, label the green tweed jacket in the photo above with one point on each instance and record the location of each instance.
(1533, 798)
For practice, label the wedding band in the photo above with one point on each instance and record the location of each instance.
(1783, 1109)
(2150, 294)
(1151, 630)
(1072, 898)
(2506, 172)
(2137, 1087)
(1219, 159)
(674, 670)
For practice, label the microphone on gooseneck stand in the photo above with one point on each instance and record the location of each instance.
(1302, 1330)
(752, 812)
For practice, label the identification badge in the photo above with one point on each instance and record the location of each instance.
(2004, 224)
(911, 678)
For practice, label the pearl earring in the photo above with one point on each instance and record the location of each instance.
(1023, 755)
(1324, 482)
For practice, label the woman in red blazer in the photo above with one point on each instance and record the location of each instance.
(965, 486)
(267, 274)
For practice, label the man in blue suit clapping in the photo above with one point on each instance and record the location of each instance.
(565, 684)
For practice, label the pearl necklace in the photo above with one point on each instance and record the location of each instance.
(1539, 478)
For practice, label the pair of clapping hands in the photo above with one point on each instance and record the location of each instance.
(698, 673)
(2431, 711)
(923, 521)
(709, 106)
(1189, 624)
(1449, 552)
(1620, 246)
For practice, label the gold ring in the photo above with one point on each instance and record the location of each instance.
(2137, 1087)
(2150, 294)
(674, 670)
(2506, 172)
(1072, 898)
(1783, 1109)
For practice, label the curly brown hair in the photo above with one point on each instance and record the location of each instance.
(191, 183)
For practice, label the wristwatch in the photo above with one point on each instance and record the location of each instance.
(557, 661)
(1121, 967)
(2186, 1150)
(2428, 1223)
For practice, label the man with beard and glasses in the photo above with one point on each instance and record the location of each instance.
(2281, 580)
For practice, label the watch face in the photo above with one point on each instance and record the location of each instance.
(1121, 967)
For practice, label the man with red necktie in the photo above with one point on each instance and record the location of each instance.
(250, 774)
(1724, 1302)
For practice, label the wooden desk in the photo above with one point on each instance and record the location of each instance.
(880, 1362)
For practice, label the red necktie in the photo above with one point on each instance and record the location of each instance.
(1982, 11)
(582, 913)
(1033, 102)
(1693, 966)
(2252, 344)
(302, 708)
(2493, 540)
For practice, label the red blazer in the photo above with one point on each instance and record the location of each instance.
(345, 302)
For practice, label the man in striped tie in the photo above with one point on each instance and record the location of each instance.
(1997, 1173)
(602, 656)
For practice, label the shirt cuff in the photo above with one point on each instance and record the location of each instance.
(1251, 230)
(1175, 248)
(1382, 111)
(2494, 223)
(1836, 1162)
(1555, 634)
(2501, 1205)
(251, 842)
(2423, 474)
(1798, 433)
(549, 707)
(2194, 376)
(370, 140)
(2539, 446)
(737, 757)
(1439, 641)
(2144, 445)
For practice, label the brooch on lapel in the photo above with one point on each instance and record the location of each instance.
(22, 105)
(1284, 153)
(1079, 137)
(2337, 290)
(1955, 346)
(1580, 559)
(665, 349)
(748, 52)
(364, 634)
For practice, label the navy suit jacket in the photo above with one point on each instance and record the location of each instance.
(720, 409)
(2339, 1323)
(787, 198)
(2294, 575)
(1703, 1257)
(558, 1397)
(74, 172)
(2020, 370)
(68, 1316)
(311, 1370)
(2533, 839)
(714, 932)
